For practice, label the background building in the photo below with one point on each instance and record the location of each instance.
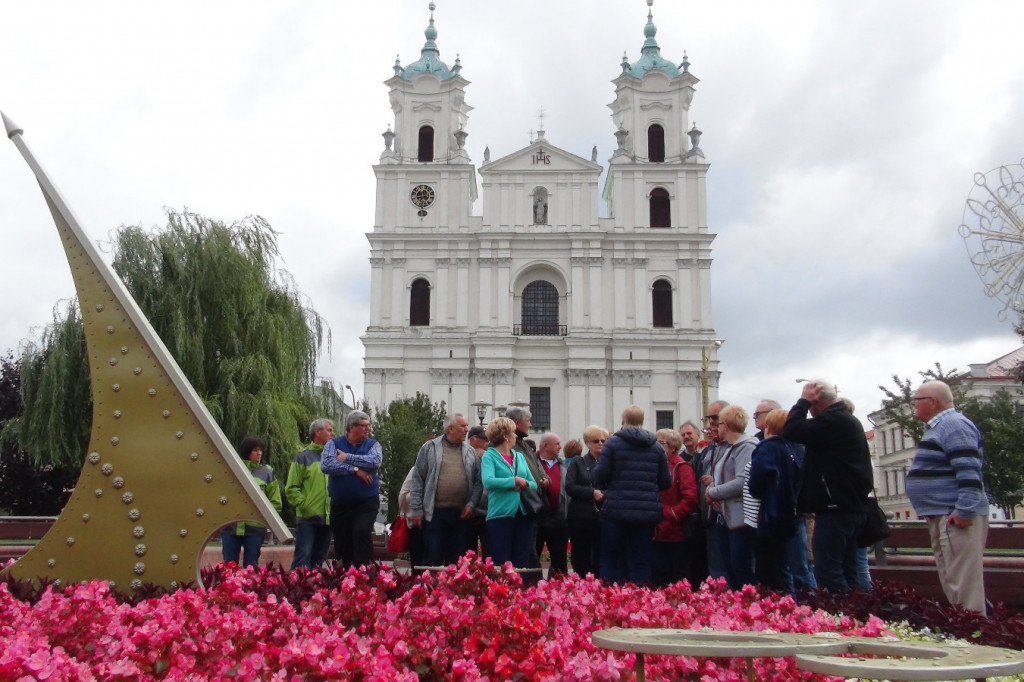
(540, 299)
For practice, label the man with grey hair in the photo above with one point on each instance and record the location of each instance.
(306, 490)
(445, 489)
(351, 462)
(761, 412)
(553, 525)
(947, 489)
(522, 417)
(836, 480)
(712, 563)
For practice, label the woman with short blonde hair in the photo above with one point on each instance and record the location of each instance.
(585, 500)
(726, 482)
(504, 473)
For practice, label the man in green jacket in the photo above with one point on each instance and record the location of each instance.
(306, 490)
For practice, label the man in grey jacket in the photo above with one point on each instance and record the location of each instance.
(445, 488)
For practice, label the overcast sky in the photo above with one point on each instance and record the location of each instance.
(843, 140)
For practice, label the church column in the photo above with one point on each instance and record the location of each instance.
(462, 292)
(504, 299)
(485, 294)
(581, 293)
(399, 306)
(442, 292)
(595, 288)
(620, 292)
(376, 291)
(642, 294)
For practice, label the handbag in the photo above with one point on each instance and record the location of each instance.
(529, 498)
(876, 527)
(398, 539)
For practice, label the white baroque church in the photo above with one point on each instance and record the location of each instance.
(540, 300)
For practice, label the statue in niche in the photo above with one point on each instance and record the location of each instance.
(540, 206)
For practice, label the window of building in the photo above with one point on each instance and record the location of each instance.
(540, 309)
(664, 419)
(656, 143)
(661, 301)
(661, 208)
(426, 144)
(419, 303)
(540, 408)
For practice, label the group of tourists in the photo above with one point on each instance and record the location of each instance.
(783, 507)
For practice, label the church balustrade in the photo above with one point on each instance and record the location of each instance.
(540, 329)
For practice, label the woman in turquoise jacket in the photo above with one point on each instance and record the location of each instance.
(504, 473)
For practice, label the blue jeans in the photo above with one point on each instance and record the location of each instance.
(445, 537)
(863, 574)
(716, 560)
(511, 538)
(799, 575)
(247, 545)
(626, 551)
(835, 549)
(738, 554)
(312, 543)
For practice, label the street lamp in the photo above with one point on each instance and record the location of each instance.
(353, 396)
(705, 360)
(481, 410)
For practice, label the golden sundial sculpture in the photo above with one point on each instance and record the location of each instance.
(159, 477)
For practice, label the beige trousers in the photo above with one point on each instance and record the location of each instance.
(958, 556)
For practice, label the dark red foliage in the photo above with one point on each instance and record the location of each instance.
(894, 602)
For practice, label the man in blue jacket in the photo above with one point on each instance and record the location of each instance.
(632, 470)
(351, 461)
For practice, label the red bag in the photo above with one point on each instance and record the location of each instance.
(398, 539)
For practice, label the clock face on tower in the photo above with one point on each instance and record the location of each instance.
(422, 196)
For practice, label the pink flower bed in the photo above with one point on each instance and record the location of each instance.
(472, 622)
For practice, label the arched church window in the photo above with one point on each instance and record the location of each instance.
(426, 144)
(540, 206)
(656, 143)
(661, 300)
(661, 208)
(540, 309)
(419, 303)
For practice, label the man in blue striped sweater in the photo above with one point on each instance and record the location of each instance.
(946, 488)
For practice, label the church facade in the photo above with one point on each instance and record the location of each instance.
(540, 300)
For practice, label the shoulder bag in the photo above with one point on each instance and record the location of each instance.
(529, 498)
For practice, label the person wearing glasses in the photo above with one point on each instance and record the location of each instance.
(585, 500)
(725, 481)
(761, 413)
(713, 565)
(351, 461)
(836, 480)
(946, 487)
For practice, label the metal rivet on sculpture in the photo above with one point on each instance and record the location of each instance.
(152, 428)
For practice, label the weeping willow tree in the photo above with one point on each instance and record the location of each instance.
(235, 323)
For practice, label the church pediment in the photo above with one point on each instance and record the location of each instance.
(541, 156)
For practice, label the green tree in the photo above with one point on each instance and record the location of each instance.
(247, 340)
(1002, 432)
(898, 405)
(28, 490)
(401, 428)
